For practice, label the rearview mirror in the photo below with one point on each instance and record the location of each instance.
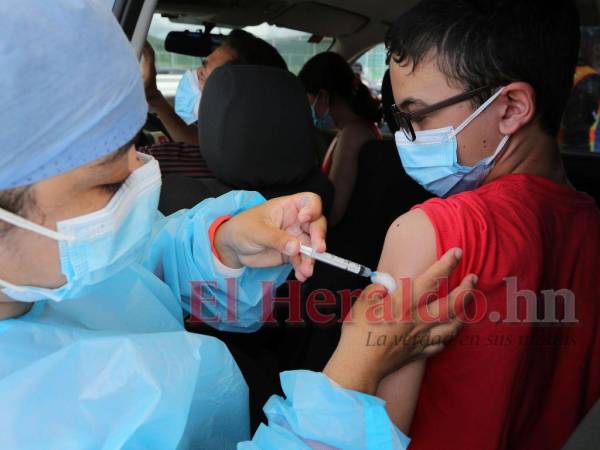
(192, 43)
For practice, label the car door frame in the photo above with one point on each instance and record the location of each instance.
(135, 17)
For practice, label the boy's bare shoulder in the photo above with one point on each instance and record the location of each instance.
(410, 246)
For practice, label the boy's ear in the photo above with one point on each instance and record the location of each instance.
(518, 101)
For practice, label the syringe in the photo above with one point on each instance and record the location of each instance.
(336, 261)
(376, 277)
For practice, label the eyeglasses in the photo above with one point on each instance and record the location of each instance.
(405, 119)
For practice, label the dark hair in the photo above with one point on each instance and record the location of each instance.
(254, 51)
(16, 201)
(481, 42)
(330, 72)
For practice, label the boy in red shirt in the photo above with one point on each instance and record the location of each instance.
(479, 88)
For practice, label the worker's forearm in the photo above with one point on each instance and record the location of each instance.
(177, 128)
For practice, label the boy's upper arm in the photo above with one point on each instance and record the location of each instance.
(410, 246)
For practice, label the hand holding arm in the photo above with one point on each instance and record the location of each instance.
(369, 350)
(337, 411)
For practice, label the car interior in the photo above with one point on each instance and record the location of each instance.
(274, 157)
(262, 139)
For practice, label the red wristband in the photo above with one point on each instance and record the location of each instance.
(212, 233)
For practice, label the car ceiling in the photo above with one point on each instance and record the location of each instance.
(357, 24)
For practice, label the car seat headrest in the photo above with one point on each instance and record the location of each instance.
(255, 127)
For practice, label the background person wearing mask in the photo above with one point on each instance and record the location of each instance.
(339, 100)
(238, 47)
(480, 88)
(93, 353)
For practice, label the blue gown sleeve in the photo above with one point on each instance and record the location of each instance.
(181, 255)
(318, 414)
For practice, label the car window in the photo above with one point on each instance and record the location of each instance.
(293, 45)
(371, 67)
(580, 130)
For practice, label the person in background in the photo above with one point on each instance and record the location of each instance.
(580, 131)
(478, 122)
(239, 47)
(359, 71)
(339, 100)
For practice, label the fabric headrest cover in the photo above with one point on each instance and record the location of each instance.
(255, 127)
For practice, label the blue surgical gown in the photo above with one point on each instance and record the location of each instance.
(116, 369)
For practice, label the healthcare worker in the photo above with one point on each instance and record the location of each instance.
(94, 282)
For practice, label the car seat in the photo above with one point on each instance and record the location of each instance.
(255, 133)
(583, 170)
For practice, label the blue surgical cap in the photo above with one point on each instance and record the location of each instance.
(70, 88)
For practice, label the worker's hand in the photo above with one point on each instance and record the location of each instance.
(271, 234)
(370, 350)
(149, 73)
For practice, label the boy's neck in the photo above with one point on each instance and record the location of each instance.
(531, 152)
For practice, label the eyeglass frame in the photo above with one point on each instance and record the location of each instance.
(409, 117)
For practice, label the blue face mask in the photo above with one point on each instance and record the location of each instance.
(322, 123)
(432, 159)
(187, 97)
(95, 246)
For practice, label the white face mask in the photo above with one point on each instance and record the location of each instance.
(95, 246)
(432, 159)
(187, 97)
(322, 123)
